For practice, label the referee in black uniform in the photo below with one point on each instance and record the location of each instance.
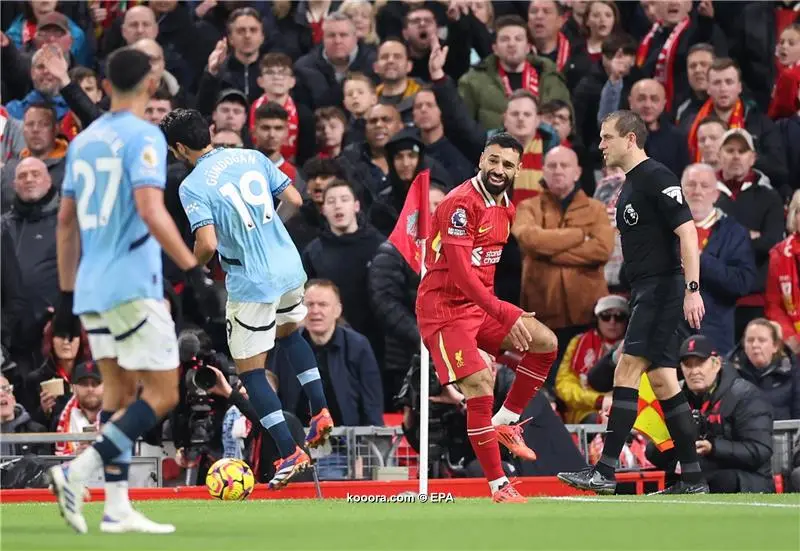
(658, 237)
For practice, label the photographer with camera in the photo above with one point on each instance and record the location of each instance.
(734, 423)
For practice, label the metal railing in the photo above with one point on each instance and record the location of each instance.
(369, 453)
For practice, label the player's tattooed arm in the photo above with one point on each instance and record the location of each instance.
(68, 244)
(205, 244)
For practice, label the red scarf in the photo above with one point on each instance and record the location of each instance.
(784, 268)
(735, 120)
(590, 348)
(562, 54)
(63, 426)
(735, 186)
(665, 63)
(289, 149)
(530, 79)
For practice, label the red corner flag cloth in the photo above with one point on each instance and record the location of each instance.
(413, 224)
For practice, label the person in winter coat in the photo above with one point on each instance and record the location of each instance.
(782, 296)
(31, 227)
(393, 294)
(734, 439)
(342, 254)
(727, 262)
(487, 86)
(762, 359)
(14, 418)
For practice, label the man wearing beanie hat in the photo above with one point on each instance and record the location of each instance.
(734, 421)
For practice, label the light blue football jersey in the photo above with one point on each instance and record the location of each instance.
(120, 260)
(233, 190)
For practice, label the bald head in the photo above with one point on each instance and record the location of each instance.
(31, 180)
(154, 51)
(648, 99)
(561, 171)
(139, 22)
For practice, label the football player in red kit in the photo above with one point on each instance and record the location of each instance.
(459, 314)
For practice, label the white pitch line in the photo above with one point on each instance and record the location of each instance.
(672, 502)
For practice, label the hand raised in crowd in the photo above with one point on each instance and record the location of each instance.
(620, 68)
(457, 8)
(56, 64)
(706, 8)
(217, 57)
(204, 7)
(98, 12)
(47, 401)
(437, 60)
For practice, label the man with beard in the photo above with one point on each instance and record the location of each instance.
(654, 224)
(82, 409)
(459, 316)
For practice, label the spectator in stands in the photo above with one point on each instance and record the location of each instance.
(320, 72)
(309, 223)
(393, 296)
(174, 83)
(362, 13)
(158, 106)
(604, 90)
(236, 69)
(486, 89)
(40, 129)
(270, 134)
(301, 24)
(784, 97)
(601, 21)
(565, 238)
(31, 226)
(783, 280)
(709, 141)
(368, 158)
(14, 418)
(396, 88)
(421, 32)
(545, 20)
(226, 138)
(345, 360)
(12, 141)
(342, 254)
(558, 114)
(665, 142)
(727, 264)
(574, 24)
(749, 198)
(277, 80)
(61, 356)
(698, 61)
(331, 123)
(406, 157)
(230, 111)
(45, 88)
(735, 424)
(582, 403)
(428, 119)
(81, 412)
(762, 359)
(89, 83)
(725, 101)
(40, 24)
(663, 52)
(359, 97)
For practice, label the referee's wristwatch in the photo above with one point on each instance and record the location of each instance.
(692, 286)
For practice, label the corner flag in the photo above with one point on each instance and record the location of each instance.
(650, 420)
(414, 223)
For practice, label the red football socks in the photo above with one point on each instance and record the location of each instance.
(531, 373)
(482, 436)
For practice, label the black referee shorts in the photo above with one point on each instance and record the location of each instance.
(655, 329)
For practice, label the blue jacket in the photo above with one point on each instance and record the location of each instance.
(727, 272)
(80, 49)
(354, 374)
(16, 108)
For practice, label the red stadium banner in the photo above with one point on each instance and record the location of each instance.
(414, 222)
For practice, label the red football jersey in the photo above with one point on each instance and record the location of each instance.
(470, 217)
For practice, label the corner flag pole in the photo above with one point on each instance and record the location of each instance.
(424, 401)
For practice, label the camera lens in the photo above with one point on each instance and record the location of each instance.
(205, 378)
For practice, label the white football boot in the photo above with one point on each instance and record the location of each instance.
(70, 496)
(134, 521)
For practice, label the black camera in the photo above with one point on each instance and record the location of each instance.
(703, 425)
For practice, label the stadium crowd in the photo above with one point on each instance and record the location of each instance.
(353, 99)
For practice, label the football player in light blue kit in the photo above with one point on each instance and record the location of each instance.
(112, 224)
(228, 198)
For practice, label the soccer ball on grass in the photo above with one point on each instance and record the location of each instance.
(230, 480)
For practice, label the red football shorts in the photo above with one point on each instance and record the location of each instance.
(454, 346)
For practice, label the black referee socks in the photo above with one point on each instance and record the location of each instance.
(682, 428)
(624, 410)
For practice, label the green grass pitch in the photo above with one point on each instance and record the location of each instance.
(703, 523)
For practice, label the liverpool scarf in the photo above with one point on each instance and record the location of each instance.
(665, 63)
